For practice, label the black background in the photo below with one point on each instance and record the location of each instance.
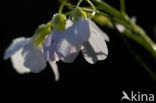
(79, 81)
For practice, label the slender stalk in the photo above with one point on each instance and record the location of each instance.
(61, 8)
(92, 5)
(132, 30)
(135, 55)
(78, 4)
(146, 67)
(69, 5)
(135, 30)
(122, 7)
(109, 9)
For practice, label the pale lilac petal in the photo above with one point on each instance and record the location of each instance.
(68, 52)
(66, 45)
(16, 45)
(17, 61)
(33, 58)
(120, 27)
(71, 40)
(69, 23)
(55, 69)
(95, 49)
(50, 45)
(95, 29)
(46, 47)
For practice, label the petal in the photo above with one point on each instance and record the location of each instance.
(133, 19)
(80, 32)
(95, 49)
(50, 45)
(55, 69)
(120, 27)
(71, 40)
(17, 61)
(96, 29)
(33, 57)
(16, 45)
(93, 52)
(69, 23)
(46, 47)
(68, 52)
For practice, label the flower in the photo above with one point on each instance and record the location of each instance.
(64, 43)
(27, 57)
(67, 44)
(83, 35)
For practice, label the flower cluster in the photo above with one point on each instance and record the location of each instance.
(59, 40)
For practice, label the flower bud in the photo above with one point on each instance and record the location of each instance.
(103, 20)
(40, 34)
(79, 14)
(58, 22)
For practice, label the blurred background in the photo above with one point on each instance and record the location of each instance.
(79, 81)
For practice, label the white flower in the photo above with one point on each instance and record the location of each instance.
(83, 35)
(27, 57)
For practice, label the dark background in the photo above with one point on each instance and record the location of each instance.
(79, 81)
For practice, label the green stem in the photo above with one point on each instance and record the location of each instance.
(138, 58)
(61, 8)
(146, 67)
(122, 7)
(109, 9)
(147, 42)
(142, 41)
(133, 31)
(69, 5)
(136, 31)
(135, 55)
(78, 4)
(92, 5)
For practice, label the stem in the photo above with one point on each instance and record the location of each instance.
(138, 59)
(78, 4)
(109, 9)
(136, 56)
(146, 67)
(61, 8)
(133, 31)
(69, 5)
(136, 31)
(147, 42)
(122, 7)
(92, 5)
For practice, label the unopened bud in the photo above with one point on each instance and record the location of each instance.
(58, 22)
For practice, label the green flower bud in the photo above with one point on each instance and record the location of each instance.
(102, 20)
(40, 34)
(78, 14)
(58, 22)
